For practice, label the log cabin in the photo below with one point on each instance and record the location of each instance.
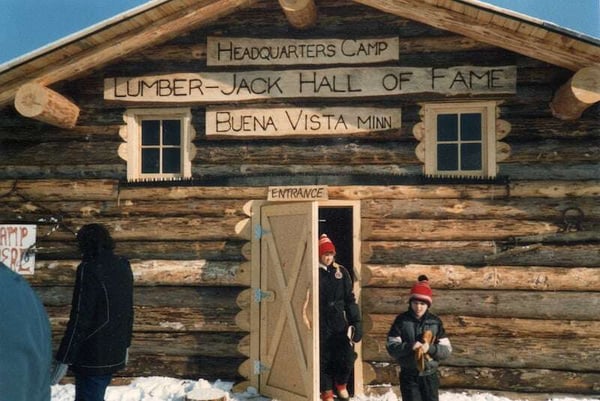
(217, 138)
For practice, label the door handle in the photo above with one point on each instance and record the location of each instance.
(304, 310)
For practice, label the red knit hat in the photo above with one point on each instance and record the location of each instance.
(325, 245)
(421, 291)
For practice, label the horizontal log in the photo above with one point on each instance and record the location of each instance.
(173, 319)
(49, 190)
(572, 254)
(449, 230)
(555, 189)
(221, 344)
(545, 209)
(154, 229)
(185, 319)
(219, 298)
(177, 250)
(357, 153)
(549, 171)
(426, 252)
(18, 132)
(536, 278)
(276, 153)
(153, 273)
(555, 151)
(527, 127)
(75, 153)
(515, 304)
(55, 190)
(199, 192)
(484, 378)
(19, 210)
(377, 326)
(182, 366)
(501, 352)
(460, 191)
(63, 172)
(478, 253)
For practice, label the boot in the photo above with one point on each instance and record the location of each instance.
(327, 395)
(342, 392)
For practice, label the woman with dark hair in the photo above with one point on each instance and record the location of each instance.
(100, 324)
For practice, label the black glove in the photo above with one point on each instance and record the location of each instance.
(357, 333)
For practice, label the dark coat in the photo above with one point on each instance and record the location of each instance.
(407, 329)
(101, 321)
(337, 303)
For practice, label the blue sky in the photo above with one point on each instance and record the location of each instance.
(26, 25)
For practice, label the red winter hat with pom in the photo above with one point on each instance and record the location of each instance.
(422, 291)
(325, 245)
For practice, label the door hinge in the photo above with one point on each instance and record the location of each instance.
(260, 368)
(259, 232)
(260, 295)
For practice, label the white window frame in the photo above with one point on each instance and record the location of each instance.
(488, 126)
(134, 117)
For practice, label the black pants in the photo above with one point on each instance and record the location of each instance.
(419, 388)
(336, 360)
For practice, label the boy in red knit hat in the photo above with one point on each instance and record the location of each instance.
(337, 312)
(418, 342)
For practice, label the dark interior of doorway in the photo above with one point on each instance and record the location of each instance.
(336, 222)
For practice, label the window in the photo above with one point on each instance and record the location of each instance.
(159, 143)
(460, 139)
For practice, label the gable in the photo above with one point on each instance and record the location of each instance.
(157, 23)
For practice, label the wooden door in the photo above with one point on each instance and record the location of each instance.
(289, 353)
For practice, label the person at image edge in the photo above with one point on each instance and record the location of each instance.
(339, 316)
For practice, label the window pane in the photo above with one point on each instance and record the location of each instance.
(171, 160)
(171, 132)
(150, 132)
(447, 157)
(447, 127)
(470, 156)
(150, 161)
(470, 127)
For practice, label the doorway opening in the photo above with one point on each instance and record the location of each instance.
(340, 223)
(337, 223)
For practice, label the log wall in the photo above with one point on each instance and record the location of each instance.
(520, 296)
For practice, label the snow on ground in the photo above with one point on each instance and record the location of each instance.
(170, 389)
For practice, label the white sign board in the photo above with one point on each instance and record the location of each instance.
(274, 122)
(320, 83)
(277, 51)
(15, 243)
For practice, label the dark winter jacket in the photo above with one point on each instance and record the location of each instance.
(101, 321)
(406, 330)
(25, 341)
(337, 303)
